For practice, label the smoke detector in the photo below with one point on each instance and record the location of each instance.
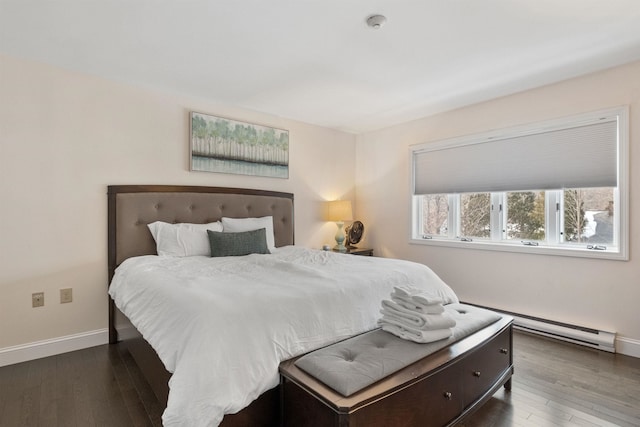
(376, 21)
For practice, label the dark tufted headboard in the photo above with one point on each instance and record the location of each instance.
(132, 207)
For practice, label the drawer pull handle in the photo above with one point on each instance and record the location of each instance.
(504, 350)
(448, 395)
(476, 374)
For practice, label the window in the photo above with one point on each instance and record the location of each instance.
(435, 215)
(525, 215)
(475, 215)
(589, 215)
(554, 188)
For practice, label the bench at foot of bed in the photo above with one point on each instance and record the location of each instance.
(440, 389)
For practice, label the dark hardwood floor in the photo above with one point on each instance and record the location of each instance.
(562, 384)
(555, 384)
(99, 386)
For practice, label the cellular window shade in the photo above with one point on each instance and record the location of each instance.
(577, 157)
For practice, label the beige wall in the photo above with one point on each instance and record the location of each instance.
(65, 136)
(596, 293)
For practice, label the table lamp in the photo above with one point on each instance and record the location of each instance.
(339, 212)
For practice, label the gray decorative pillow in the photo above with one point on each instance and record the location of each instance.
(237, 244)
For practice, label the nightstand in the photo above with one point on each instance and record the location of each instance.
(359, 251)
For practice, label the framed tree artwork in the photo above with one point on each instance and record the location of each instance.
(223, 145)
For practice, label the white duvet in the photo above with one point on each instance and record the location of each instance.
(223, 325)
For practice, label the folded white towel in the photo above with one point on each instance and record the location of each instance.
(426, 299)
(443, 323)
(417, 295)
(414, 319)
(421, 337)
(410, 304)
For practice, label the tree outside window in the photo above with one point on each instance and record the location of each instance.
(525, 215)
(588, 215)
(475, 215)
(435, 214)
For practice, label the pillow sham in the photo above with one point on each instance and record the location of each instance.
(238, 244)
(183, 239)
(235, 225)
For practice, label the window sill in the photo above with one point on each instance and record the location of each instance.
(610, 253)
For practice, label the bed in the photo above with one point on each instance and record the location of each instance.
(133, 249)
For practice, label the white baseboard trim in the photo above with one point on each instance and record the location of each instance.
(628, 346)
(51, 347)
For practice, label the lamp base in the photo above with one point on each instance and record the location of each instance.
(340, 247)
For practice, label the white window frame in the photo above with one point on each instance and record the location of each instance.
(553, 222)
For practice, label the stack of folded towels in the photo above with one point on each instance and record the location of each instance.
(414, 314)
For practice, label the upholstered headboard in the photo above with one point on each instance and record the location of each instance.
(132, 207)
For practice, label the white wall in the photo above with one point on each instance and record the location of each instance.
(596, 293)
(65, 136)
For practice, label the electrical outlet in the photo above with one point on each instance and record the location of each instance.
(37, 299)
(66, 295)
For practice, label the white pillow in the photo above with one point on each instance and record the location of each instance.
(182, 239)
(234, 225)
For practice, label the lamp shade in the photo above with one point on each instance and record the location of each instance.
(340, 210)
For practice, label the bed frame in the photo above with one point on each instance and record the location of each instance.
(132, 207)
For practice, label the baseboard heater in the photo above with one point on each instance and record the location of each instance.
(594, 338)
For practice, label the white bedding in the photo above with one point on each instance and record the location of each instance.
(223, 325)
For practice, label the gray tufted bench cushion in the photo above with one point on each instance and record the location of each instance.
(353, 364)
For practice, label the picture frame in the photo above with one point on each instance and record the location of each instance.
(222, 145)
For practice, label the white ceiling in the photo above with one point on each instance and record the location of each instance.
(317, 61)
